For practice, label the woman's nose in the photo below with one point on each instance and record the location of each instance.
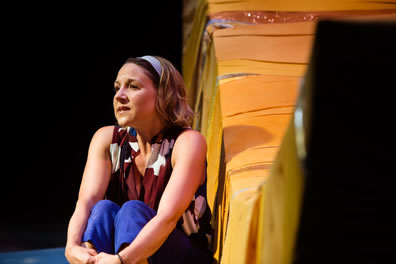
(121, 96)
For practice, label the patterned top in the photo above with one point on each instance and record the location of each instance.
(127, 183)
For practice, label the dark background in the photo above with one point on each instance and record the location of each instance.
(348, 206)
(58, 68)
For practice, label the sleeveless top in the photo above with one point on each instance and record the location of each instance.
(126, 179)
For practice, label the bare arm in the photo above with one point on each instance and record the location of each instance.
(188, 159)
(93, 187)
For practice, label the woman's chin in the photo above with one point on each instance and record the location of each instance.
(122, 122)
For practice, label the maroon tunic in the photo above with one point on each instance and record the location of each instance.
(126, 182)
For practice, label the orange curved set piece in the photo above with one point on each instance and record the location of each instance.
(243, 63)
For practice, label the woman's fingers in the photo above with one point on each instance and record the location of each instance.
(91, 260)
(92, 252)
(104, 258)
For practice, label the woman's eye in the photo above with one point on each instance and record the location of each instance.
(133, 86)
(116, 88)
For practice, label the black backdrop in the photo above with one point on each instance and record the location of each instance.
(58, 68)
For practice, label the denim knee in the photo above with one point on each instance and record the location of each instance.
(105, 207)
(136, 211)
(100, 226)
(130, 220)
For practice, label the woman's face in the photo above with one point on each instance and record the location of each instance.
(134, 101)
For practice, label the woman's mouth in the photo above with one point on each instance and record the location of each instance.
(122, 109)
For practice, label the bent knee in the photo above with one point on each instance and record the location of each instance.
(136, 208)
(134, 204)
(105, 206)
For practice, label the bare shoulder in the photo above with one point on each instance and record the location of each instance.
(191, 136)
(190, 141)
(105, 131)
(102, 137)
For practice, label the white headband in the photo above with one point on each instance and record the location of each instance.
(154, 62)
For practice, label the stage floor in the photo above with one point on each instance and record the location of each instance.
(40, 256)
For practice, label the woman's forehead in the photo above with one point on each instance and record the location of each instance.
(132, 71)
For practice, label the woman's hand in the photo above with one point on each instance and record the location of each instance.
(104, 258)
(81, 255)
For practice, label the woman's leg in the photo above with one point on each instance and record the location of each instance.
(131, 218)
(178, 248)
(100, 226)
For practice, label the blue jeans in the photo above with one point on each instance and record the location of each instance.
(110, 227)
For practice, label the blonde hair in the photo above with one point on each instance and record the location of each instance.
(171, 101)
